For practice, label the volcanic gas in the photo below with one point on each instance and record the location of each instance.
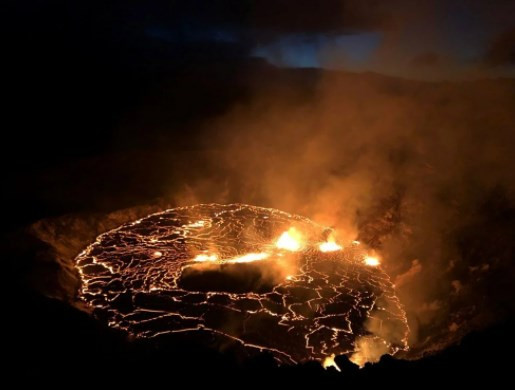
(269, 280)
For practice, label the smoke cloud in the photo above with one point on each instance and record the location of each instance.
(421, 172)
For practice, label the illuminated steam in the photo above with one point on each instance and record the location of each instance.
(421, 172)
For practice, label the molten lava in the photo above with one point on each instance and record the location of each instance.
(291, 240)
(371, 261)
(329, 362)
(265, 279)
(206, 257)
(330, 245)
(248, 258)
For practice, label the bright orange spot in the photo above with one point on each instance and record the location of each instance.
(205, 257)
(330, 245)
(371, 261)
(249, 257)
(329, 362)
(290, 240)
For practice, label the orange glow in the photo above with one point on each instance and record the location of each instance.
(371, 261)
(358, 359)
(355, 242)
(330, 245)
(329, 362)
(205, 257)
(196, 224)
(248, 258)
(158, 254)
(290, 240)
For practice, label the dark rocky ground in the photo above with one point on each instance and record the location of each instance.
(49, 340)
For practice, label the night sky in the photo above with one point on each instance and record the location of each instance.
(65, 56)
(423, 39)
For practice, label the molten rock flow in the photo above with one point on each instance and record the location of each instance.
(259, 276)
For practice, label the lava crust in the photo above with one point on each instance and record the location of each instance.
(188, 269)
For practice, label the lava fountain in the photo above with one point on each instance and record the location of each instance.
(267, 279)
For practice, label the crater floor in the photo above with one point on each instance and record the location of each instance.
(217, 268)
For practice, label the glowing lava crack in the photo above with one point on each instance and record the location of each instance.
(267, 279)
